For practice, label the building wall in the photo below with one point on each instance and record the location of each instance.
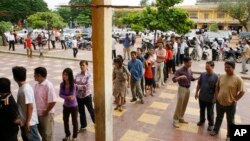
(203, 15)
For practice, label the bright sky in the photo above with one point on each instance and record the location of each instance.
(53, 3)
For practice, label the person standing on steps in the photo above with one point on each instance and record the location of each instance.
(205, 91)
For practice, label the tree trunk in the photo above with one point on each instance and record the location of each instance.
(154, 38)
(4, 40)
(245, 26)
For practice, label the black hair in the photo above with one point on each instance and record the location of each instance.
(211, 63)
(187, 59)
(230, 63)
(140, 49)
(118, 61)
(159, 42)
(41, 71)
(70, 75)
(133, 52)
(83, 62)
(5, 85)
(146, 56)
(19, 73)
(120, 57)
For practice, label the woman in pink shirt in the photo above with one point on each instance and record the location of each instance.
(83, 80)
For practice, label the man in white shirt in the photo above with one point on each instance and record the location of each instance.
(26, 106)
(182, 49)
(62, 39)
(11, 40)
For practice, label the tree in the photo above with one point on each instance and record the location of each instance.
(75, 12)
(213, 27)
(144, 2)
(83, 19)
(4, 27)
(21, 9)
(239, 10)
(118, 17)
(46, 20)
(65, 13)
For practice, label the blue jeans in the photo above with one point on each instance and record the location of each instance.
(32, 135)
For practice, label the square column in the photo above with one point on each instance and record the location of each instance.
(102, 70)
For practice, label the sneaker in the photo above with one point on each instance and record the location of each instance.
(209, 128)
(176, 124)
(183, 121)
(142, 102)
(133, 100)
(200, 123)
(213, 133)
(66, 139)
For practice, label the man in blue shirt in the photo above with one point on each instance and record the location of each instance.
(141, 58)
(205, 93)
(126, 45)
(136, 70)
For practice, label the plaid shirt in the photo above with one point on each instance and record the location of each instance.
(84, 84)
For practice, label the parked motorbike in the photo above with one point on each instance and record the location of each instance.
(146, 45)
(205, 52)
(233, 55)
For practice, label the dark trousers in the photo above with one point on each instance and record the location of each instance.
(181, 58)
(113, 54)
(82, 102)
(165, 71)
(154, 83)
(63, 44)
(12, 45)
(75, 51)
(214, 55)
(73, 111)
(230, 112)
(53, 44)
(142, 85)
(34, 45)
(171, 65)
(186, 52)
(32, 135)
(210, 112)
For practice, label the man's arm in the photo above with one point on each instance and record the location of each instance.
(51, 105)
(239, 96)
(28, 116)
(198, 87)
(216, 91)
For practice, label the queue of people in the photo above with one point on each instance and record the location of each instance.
(34, 109)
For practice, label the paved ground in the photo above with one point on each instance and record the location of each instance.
(151, 121)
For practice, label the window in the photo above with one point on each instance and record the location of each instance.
(193, 15)
(220, 15)
(206, 15)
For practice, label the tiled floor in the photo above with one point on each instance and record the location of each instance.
(151, 121)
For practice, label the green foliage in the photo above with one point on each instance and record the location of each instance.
(213, 27)
(164, 20)
(46, 20)
(239, 10)
(75, 12)
(65, 13)
(165, 4)
(118, 16)
(83, 19)
(144, 2)
(5, 26)
(21, 9)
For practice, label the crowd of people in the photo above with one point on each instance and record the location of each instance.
(152, 70)
(34, 110)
